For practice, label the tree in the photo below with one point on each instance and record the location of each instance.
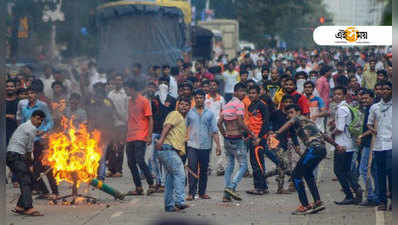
(387, 15)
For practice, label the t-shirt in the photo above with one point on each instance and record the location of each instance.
(316, 106)
(272, 87)
(177, 134)
(233, 109)
(259, 116)
(230, 79)
(11, 124)
(301, 101)
(138, 120)
(307, 130)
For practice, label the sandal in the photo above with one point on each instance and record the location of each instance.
(32, 213)
(136, 192)
(18, 211)
(152, 189)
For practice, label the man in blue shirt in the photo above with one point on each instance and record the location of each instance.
(24, 113)
(202, 127)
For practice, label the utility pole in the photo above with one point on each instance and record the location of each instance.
(3, 150)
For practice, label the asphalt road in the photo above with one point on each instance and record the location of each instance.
(253, 210)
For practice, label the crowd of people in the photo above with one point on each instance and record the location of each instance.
(180, 123)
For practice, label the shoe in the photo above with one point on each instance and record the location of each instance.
(182, 207)
(152, 189)
(205, 196)
(138, 191)
(346, 201)
(190, 198)
(282, 191)
(255, 192)
(317, 207)
(233, 194)
(220, 173)
(171, 209)
(302, 210)
(160, 189)
(382, 207)
(291, 187)
(369, 203)
(226, 197)
(358, 196)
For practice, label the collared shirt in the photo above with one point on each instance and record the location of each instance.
(23, 138)
(120, 101)
(381, 113)
(215, 104)
(201, 128)
(25, 112)
(343, 118)
(369, 79)
(173, 90)
(233, 109)
(47, 83)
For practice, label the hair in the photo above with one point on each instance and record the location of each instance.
(164, 79)
(314, 72)
(155, 67)
(165, 67)
(301, 73)
(309, 82)
(57, 83)
(286, 97)
(75, 96)
(340, 88)
(285, 76)
(30, 89)
(138, 65)
(351, 70)
(325, 69)
(199, 92)
(188, 84)
(187, 100)
(384, 72)
(193, 79)
(205, 82)
(37, 85)
(368, 92)
(174, 71)
(291, 79)
(244, 72)
(387, 83)
(239, 85)
(39, 113)
(293, 106)
(255, 87)
(215, 81)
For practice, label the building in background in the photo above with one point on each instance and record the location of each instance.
(356, 12)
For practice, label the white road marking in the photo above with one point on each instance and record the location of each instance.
(116, 214)
(379, 217)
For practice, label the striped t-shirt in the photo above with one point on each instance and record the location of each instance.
(233, 109)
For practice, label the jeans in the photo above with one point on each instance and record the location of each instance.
(198, 158)
(136, 155)
(305, 168)
(175, 177)
(344, 173)
(156, 167)
(363, 171)
(234, 149)
(17, 165)
(383, 160)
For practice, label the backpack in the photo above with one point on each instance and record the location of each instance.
(356, 126)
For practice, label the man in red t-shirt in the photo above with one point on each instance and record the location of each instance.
(139, 135)
(290, 89)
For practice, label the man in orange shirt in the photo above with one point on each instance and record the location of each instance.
(139, 135)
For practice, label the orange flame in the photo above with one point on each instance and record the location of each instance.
(74, 154)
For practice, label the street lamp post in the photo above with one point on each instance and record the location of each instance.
(53, 16)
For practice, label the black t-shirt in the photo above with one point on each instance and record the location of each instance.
(160, 112)
(272, 87)
(368, 139)
(11, 124)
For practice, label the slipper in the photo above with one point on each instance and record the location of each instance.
(255, 192)
(135, 193)
(34, 213)
(20, 212)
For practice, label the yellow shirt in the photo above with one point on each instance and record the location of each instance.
(278, 97)
(177, 134)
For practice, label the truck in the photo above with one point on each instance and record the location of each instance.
(229, 31)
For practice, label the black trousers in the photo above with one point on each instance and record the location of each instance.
(198, 158)
(136, 156)
(38, 168)
(305, 168)
(383, 160)
(342, 170)
(258, 166)
(18, 167)
(115, 158)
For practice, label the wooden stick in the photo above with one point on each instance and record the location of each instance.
(191, 172)
(370, 160)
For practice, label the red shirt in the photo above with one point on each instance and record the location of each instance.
(205, 75)
(302, 101)
(138, 121)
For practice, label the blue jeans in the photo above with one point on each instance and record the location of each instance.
(155, 166)
(234, 149)
(363, 171)
(102, 164)
(175, 177)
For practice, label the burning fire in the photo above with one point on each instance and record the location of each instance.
(73, 153)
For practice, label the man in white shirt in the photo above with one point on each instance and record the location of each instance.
(215, 102)
(120, 100)
(380, 124)
(20, 159)
(231, 77)
(47, 80)
(343, 157)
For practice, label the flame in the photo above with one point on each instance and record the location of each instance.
(74, 154)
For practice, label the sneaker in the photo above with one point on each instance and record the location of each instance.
(358, 196)
(369, 203)
(226, 197)
(382, 207)
(302, 210)
(346, 201)
(233, 194)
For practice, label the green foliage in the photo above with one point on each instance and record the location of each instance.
(387, 15)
